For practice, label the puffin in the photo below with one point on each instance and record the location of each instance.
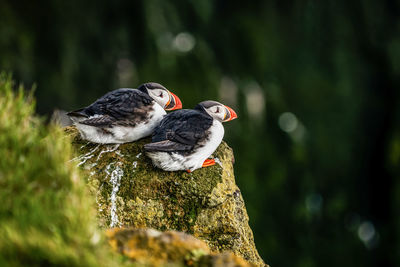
(186, 138)
(125, 115)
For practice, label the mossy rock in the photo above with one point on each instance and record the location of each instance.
(154, 248)
(149, 247)
(131, 192)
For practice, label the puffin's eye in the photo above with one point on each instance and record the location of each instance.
(217, 110)
(161, 94)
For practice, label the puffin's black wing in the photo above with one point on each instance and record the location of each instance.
(127, 106)
(180, 131)
(121, 103)
(167, 146)
(99, 121)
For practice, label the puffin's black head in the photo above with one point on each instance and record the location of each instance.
(161, 95)
(217, 110)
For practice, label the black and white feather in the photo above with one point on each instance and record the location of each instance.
(122, 115)
(186, 138)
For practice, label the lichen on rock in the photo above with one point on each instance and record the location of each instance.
(131, 192)
(150, 247)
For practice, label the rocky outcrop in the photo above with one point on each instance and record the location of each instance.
(130, 192)
(150, 247)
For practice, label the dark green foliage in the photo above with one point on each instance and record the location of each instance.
(46, 215)
(334, 64)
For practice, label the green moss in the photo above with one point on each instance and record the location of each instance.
(46, 213)
(141, 180)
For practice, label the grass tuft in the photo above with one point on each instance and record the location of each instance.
(47, 216)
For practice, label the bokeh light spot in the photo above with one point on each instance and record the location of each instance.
(367, 234)
(255, 99)
(184, 42)
(288, 122)
(228, 92)
(126, 72)
(366, 231)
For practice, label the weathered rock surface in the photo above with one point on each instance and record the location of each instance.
(131, 192)
(150, 247)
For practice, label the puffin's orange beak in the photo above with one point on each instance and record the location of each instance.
(232, 114)
(173, 103)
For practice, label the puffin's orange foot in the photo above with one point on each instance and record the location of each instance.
(208, 162)
(188, 171)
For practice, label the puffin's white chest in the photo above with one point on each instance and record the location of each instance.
(205, 149)
(123, 134)
(175, 161)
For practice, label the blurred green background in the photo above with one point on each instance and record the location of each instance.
(315, 85)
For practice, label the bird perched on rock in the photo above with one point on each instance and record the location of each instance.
(186, 138)
(125, 115)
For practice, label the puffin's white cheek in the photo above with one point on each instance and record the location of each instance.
(160, 100)
(164, 101)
